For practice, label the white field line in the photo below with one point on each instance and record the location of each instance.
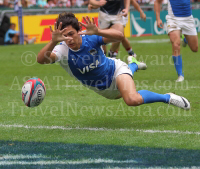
(72, 162)
(20, 156)
(150, 41)
(99, 129)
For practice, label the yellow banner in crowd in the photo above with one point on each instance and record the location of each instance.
(38, 25)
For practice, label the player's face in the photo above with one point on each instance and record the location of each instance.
(76, 40)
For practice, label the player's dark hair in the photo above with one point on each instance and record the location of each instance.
(68, 18)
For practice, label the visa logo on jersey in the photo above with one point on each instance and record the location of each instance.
(90, 67)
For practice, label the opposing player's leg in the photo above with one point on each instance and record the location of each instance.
(104, 23)
(192, 41)
(189, 31)
(177, 58)
(131, 97)
(115, 46)
(184, 41)
(126, 44)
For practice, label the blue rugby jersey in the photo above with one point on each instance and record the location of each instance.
(179, 8)
(89, 65)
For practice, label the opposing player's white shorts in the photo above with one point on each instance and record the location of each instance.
(125, 20)
(112, 92)
(105, 20)
(184, 24)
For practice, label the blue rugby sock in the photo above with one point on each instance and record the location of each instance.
(185, 40)
(151, 97)
(133, 67)
(178, 64)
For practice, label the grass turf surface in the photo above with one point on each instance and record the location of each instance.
(71, 105)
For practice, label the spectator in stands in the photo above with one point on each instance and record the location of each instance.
(82, 3)
(85, 3)
(12, 36)
(62, 3)
(1, 3)
(8, 4)
(73, 3)
(51, 3)
(31, 3)
(42, 3)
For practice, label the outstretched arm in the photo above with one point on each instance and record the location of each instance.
(46, 56)
(157, 5)
(109, 35)
(97, 3)
(137, 7)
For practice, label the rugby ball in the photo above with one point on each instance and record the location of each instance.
(33, 92)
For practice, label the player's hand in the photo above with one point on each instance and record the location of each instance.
(90, 7)
(143, 16)
(159, 23)
(125, 12)
(57, 33)
(91, 28)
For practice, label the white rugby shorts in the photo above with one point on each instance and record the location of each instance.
(105, 20)
(184, 24)
(112, 92)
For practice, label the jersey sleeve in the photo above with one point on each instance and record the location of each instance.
(100, 40)
(97, 40)
(60, 51)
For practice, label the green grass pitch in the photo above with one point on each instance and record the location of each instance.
(76, 128)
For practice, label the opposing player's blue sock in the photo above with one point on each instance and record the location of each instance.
(178, 64)
(185, 40)
(151, 97)
(133, 67)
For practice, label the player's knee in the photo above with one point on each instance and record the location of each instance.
(176, 45)
(195, 48)
(131, 101)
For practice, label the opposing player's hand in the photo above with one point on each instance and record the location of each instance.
(90, 7)
(143, 16)
(57, 33)
(159, 23)
(91, 28)
(125, 12)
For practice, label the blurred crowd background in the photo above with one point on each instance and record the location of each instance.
(61, 3)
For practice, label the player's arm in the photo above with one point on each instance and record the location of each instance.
(157, 7)
(97, 4)
(90, 7)
(109, 35)
(46, 55)
(137, 7)
(126, 7)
